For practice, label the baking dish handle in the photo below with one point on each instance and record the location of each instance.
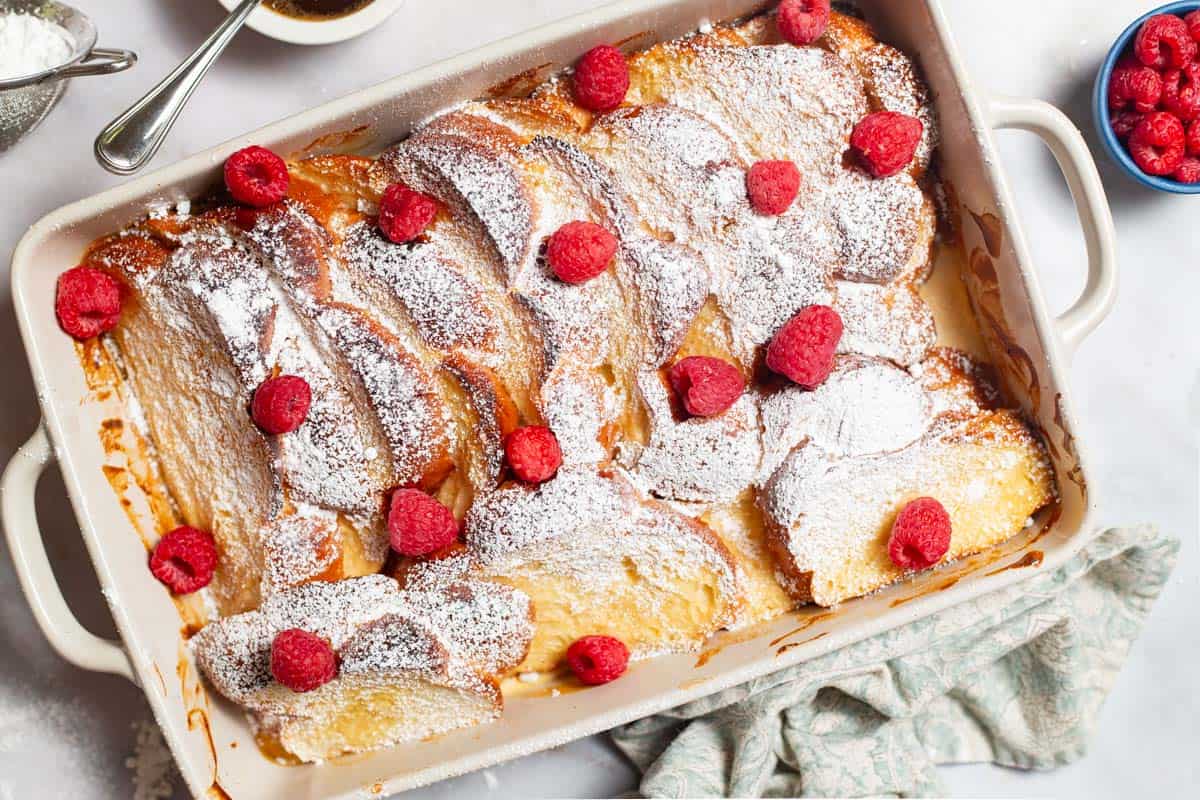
(72, 641)
(1075, 160)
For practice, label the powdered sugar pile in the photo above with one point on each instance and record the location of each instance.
(865, 406)
(30, 44)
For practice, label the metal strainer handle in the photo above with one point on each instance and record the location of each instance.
(132, 139)
(100, 61)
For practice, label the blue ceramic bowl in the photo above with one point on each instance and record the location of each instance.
(1100, 115)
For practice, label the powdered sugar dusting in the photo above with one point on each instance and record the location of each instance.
(223, 278)
(866, 406)
(887, 321)
(881, 222)
(298, 548)
(152, 766)
(577, 404)
(670, 284)
(447, 307)
(408, 409)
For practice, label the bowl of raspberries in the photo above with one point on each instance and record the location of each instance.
(1147, 99)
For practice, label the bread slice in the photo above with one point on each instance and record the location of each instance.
(889, 77)
(830, 517)
(597, 557)
(412, 664)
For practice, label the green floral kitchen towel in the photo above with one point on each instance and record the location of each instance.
(1016, 677)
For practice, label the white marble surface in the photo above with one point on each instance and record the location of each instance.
(67, 733)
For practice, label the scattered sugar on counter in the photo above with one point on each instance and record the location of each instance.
(30, 44)
(153, 770)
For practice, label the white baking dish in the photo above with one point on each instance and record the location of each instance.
(1031, 348)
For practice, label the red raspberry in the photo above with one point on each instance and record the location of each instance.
(533, 453)
(302, 661)
(1193, 138)
(707, 386)
(184, 559)
(1181, 92)
(1157, 144)
(803, 348)
(920, 534)
(1133, 83)
(772, 186)
(802, 21)
(579, 251)
(256, 176)
(1123, 123)
(1188, 170)
(886, 141)
(87, 302)
(1164, 41)
(598, 659)
(280, 404)
(418, 524)
(1192, 21)
(404, 214)
(601, 79)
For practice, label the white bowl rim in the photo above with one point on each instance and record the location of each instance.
(302, 31)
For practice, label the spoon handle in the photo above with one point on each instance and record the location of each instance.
(132, 139)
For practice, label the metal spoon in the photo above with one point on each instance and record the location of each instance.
(132, 139)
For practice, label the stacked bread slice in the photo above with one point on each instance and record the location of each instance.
(411, 663)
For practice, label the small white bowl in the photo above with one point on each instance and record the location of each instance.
(305, 31)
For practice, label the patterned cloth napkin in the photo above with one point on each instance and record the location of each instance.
(1016, 677)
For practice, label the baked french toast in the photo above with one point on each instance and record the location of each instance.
(643, 514)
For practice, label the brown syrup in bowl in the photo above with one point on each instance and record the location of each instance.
(317, 9)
